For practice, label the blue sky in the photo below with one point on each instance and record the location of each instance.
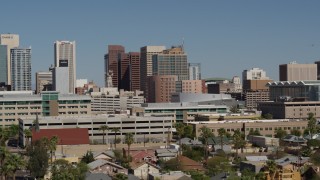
(226, 37)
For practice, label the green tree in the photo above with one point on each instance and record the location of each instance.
(120, 176)
(62, 169)
(306, 152)
(3, 155)
(88, 157)
(53, 146)
(180, 127)
(194, 153)
(254, 132)
(12, 164)
(188, 131)
(4, 135)
(206, 133)
(267, 116)
(115, 130)
(38, 159)
(272, 168)
(312, 125)
(295, 132)
(279, 133)
(248, 174)
(234, 109)
(218, 164)
(128, 139)
(221, 132)
(196, 175)
(103, 128)
(313, 143)
(315, 158)
(28, 136)
(238, 140)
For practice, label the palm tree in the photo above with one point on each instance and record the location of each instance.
(221, 132)
(4, 136)
(272, 168)
(238, 140)
(53, 146)
(103, 128)
(206, 133)
(12, 164)
(180, 131)
(128, 139)
(115, 130)
(14, 132)
(3, 155)
(28, 135)
(312, 125)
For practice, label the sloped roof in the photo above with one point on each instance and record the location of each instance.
(257, 158)
(187, 164)
(97, 163)
(67, 136)
(135, 165)
(97, 176)
(141, 155)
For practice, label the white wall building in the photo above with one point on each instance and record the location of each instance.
(65, 56)
(254, 74)
(20, 69)
(194, 71)
(60, 80)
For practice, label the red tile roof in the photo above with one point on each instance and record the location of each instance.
(68, 136)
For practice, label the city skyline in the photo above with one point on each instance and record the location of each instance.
(216, 34)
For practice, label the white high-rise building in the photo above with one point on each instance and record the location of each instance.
(60, 82)
(10, 41)
(254, 74)
(65, 56)
(20, 69)
(194, 71)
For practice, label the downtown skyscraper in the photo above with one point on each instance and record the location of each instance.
(7, 42)
(65, 56)
(111, 60)
(21, 69)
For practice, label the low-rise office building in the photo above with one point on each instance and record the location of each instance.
(15, 105)
(265, 127)
(290, 110)
(144, 128)
(180, 112)
(110, 100)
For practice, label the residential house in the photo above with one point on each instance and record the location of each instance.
(142, 169)
(106, 167)
(166, 154)
(172, 175)
(106, 155)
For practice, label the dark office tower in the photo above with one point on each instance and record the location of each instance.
(3, 64)
(112, 63)
(134, 70)
(124, 72)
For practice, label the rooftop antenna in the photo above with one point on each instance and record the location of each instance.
(182, 46)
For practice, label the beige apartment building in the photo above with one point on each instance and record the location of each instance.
(265, 127)
(193, 86)
(15, 105)
(253, 97)
(161, 87)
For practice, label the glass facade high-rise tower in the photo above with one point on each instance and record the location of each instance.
(65, 56)
(3, 64)
(171, 62)
(21, 69)
(194, 71)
